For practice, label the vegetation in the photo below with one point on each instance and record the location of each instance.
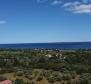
(30, 66)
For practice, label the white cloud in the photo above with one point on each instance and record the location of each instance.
(85, 1)
(78, 7)
(3, 22)
(70, 4)
(56, 2)
(41, 1)
(81, 6)
(67, 4)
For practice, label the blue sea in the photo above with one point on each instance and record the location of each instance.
(61, 45)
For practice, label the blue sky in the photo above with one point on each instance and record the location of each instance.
(28, 21)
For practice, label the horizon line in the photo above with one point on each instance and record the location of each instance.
(48, 42)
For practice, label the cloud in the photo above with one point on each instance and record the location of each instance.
(68, 4)
(78, 7)
(41, 1)
(56, 2)
(3, 22)
(86, 1)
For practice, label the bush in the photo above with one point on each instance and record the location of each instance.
(69, 82)
(20, 81)
(30, 77)
(62, 82)
(51, 79)
(2, 78)
(89, 81)
(66, 77)
(58, 78)
(19, 73)
(2, 71)
(74, 75)
(39, 78)
(31, 82)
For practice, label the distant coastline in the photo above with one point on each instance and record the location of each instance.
(48, 42)
(63, 45)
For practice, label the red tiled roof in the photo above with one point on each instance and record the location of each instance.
(6, 82)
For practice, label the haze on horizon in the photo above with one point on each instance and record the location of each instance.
(32, 21)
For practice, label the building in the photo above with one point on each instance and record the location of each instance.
(6, 82)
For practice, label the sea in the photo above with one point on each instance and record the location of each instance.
(60, 45)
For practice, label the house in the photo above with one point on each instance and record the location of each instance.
(6, 82)
(48, 55)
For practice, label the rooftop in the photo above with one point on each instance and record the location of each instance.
(6, 82)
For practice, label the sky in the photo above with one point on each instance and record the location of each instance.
(35, 21)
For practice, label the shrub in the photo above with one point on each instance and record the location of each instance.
(32, 82)
(62, 82)
(69, 82)
(18, 81)
(39, 78)
(2, 78)
(30, 77)
(51, 79)
(66, 77)
(19, 73)
(58, 78)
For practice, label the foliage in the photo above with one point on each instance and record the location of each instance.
(54, 64)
